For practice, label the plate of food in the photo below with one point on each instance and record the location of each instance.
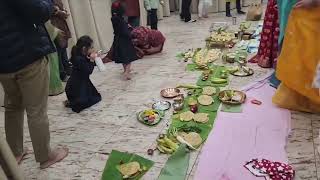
(243, 72)
(170, 92)
(150, 117)
(232, 97)
(161, 105)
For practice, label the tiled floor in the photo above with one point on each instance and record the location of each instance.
(111, 124)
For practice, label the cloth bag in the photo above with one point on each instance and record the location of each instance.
(254, 12)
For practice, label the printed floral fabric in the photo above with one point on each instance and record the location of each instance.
(144, 37)
(268, 48)
(270, 170)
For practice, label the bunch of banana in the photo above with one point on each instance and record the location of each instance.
(166, 145)
(221, 37)
(212, 55)
(200, 57)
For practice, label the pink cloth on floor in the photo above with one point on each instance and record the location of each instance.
(260, 131)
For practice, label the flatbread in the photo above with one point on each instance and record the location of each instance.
(209, 91)
(205, 100)
(201, 117)
(193, 139)
(186, 116)
(129, 169)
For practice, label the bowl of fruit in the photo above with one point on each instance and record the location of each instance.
(150, 117)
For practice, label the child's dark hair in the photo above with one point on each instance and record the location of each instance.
(117, 9)
(83, 41)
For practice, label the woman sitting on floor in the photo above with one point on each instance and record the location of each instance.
(146, 42)
(80, 91)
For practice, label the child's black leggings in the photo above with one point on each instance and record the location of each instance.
(153, 19)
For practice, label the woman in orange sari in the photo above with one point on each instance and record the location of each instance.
(299, 58)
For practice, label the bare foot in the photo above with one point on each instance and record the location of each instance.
(55, 156)
(126, 76)
(20, 158)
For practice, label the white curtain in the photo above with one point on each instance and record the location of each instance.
(93, 18)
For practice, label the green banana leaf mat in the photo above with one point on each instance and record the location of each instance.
(211, 110)
(216, 74)
(177, 165)
(111, 172)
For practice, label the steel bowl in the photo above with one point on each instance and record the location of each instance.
(170, 92)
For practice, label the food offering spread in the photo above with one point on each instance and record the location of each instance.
(195, 107)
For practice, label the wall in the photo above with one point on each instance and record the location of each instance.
(1, 96)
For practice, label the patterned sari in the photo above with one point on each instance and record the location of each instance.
(268, 49)
(298, 62)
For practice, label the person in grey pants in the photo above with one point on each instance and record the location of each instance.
(24, 44)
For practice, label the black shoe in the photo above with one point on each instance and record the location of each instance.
(228, 15)
(241, 12)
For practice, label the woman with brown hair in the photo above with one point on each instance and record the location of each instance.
(58, 20)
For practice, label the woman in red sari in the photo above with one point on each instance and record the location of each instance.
(268, 49)
(148, 40)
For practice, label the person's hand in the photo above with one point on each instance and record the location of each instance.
(305, 3)
(55, 10)
(93, 56)
(62, 34)
(63, 14)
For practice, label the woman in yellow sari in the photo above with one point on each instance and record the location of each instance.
(299, 58)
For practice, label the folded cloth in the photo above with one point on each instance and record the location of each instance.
(253, 46)
(243, 44)
(270, 170)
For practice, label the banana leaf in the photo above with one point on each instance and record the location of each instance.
(176, 167)
(180, 56)
(192, 67)
(216, 74)
(116, 158)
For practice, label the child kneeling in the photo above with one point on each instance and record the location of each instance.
(80, 91)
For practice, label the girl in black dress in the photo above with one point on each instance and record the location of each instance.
(80, 91)
(123, 49)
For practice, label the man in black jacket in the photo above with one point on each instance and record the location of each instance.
(24, 43)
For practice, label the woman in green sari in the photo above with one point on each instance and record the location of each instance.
(284, 8)
(55, 86)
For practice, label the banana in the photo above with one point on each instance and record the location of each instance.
(218, 80)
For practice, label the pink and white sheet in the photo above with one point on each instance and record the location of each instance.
(260, 131)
